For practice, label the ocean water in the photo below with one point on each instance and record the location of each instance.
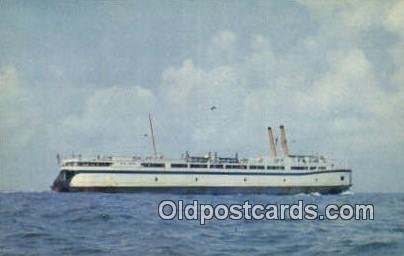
(128, 224)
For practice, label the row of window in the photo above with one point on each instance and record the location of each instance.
(87, 164)
(198, 165)
(93, 164)
(306, 167)
(221, 166)
(214, 166)
(299, 168)
(158, 165)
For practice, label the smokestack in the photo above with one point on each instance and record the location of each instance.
(284, 141)
(271, 142)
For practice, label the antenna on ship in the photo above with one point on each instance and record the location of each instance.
(152, 135)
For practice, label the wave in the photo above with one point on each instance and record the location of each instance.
(315, 194)
(347, 193)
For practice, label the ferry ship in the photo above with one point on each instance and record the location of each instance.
(211, 173)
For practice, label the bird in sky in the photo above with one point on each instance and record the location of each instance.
(213, 108)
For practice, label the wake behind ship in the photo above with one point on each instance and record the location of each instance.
(286, 174)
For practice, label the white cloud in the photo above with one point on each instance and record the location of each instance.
(346, 86)
(394, 19)
(189, 92)
(19, 123)
(18, 118)
(346, 99)
(224, 40)
(111, 116)
(394, 22)
(222, 48)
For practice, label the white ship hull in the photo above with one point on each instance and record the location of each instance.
(196, 181)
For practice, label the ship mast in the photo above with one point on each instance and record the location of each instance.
(152, 136)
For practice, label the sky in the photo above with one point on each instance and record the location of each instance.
(82, 77)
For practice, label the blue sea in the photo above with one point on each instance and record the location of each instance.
(49, 223)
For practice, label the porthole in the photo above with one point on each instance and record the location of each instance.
(156, 179)
(342, 178)
(245, 179)
(196, 179)
(316, 179)
(284, 180)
